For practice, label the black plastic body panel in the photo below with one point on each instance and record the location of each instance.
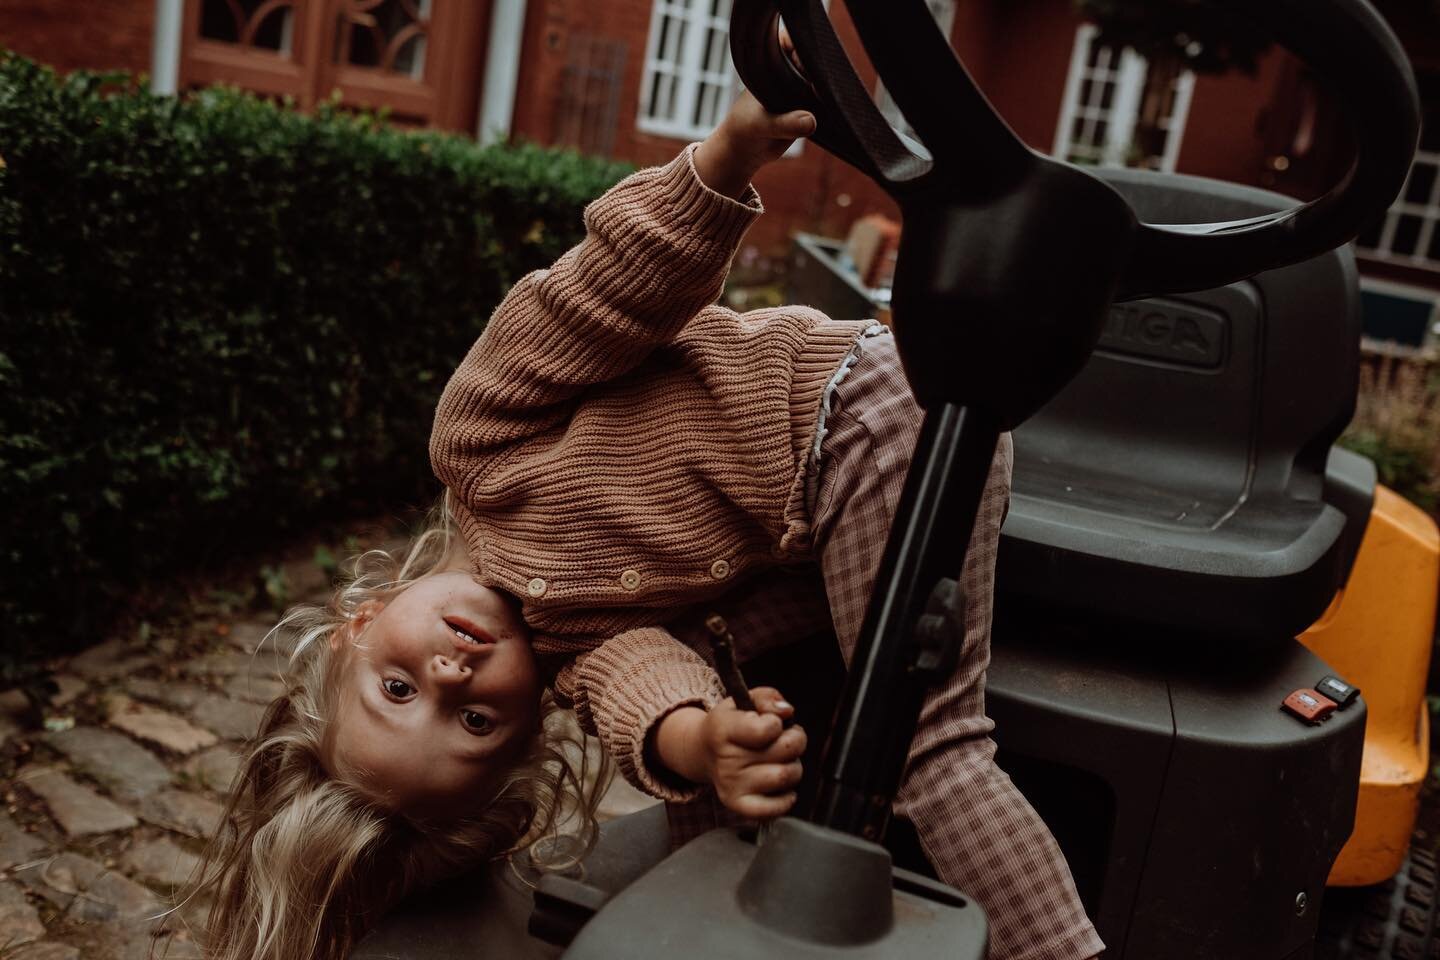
(486, 913)
(1179, 482)
(1350, 481)
(694, 904)
(1192, 810)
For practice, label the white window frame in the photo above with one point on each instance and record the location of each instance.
(1428, 212)
(686, 70)
(1124, 111)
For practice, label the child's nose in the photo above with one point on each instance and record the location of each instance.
(447, 670)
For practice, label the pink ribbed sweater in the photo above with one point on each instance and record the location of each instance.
(621, 448)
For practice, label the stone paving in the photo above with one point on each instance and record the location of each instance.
(104, 820)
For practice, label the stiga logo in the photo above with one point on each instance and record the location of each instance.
(1163, 330)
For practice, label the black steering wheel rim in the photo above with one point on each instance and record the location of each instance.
(975, 157)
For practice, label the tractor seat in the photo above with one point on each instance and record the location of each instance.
(1185, 479)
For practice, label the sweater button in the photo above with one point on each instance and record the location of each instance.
(630, 580)
(536, 587)
(720, 569)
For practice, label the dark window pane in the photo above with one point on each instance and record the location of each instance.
(1434, 252)
(217, 23)
(273, 33)
(680, 41)
(672, 88)
(698, 118)
(1430, 129)
(1107, 95)
(1370, 237)
(1422, 179)
(364, 50)
(1429, 83)
(1407, 236)
(410, 58)
(1085, 88)
(715, 50)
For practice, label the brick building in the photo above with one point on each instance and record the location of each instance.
(635, 79)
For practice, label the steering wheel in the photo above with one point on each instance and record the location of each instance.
(1004, 248)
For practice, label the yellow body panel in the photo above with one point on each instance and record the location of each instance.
(1377, 635)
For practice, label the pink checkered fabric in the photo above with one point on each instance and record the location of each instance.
(980, 833)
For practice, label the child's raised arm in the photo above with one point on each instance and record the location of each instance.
(657, 248)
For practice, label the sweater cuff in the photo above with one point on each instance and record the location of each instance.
(634, 681)
(687, 202)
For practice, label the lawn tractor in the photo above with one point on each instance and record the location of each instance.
(1176, 358)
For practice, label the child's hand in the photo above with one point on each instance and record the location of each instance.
(746, 140)
(752, 760)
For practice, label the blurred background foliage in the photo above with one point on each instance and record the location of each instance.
(223, 320)
(1397, 424)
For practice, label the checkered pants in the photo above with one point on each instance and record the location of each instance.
(978, 831)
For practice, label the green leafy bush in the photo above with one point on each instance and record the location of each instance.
(222, 319)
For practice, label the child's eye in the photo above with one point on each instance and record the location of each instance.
(476, 722)
(398, 689)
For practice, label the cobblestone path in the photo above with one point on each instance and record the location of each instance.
(104, 821)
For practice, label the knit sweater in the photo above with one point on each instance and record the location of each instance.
(619, 447)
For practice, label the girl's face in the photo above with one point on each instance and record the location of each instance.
(439, 695)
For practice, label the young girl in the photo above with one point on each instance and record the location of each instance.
(622, 456)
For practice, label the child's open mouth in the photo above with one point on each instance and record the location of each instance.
(468, 632)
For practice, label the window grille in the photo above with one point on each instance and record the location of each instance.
(1407, 234)
(1103, 95)
(250, 23)
(689, 81)
(386, 35)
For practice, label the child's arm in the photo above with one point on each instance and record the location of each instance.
(661, 712)
(657, 248)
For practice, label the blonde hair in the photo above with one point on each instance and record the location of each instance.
(305, 863)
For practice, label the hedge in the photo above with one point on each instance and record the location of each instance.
(223, 318)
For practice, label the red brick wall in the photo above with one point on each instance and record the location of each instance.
(75, 34)
(1020, 58)
(812, 192)
(1224, 133)
(1017, 49)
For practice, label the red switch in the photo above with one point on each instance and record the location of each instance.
(1308, 705)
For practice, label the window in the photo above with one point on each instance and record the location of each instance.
(1398, 313)
(689, 81)
(375, 53)
(1109, 95)
(1408, 233)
